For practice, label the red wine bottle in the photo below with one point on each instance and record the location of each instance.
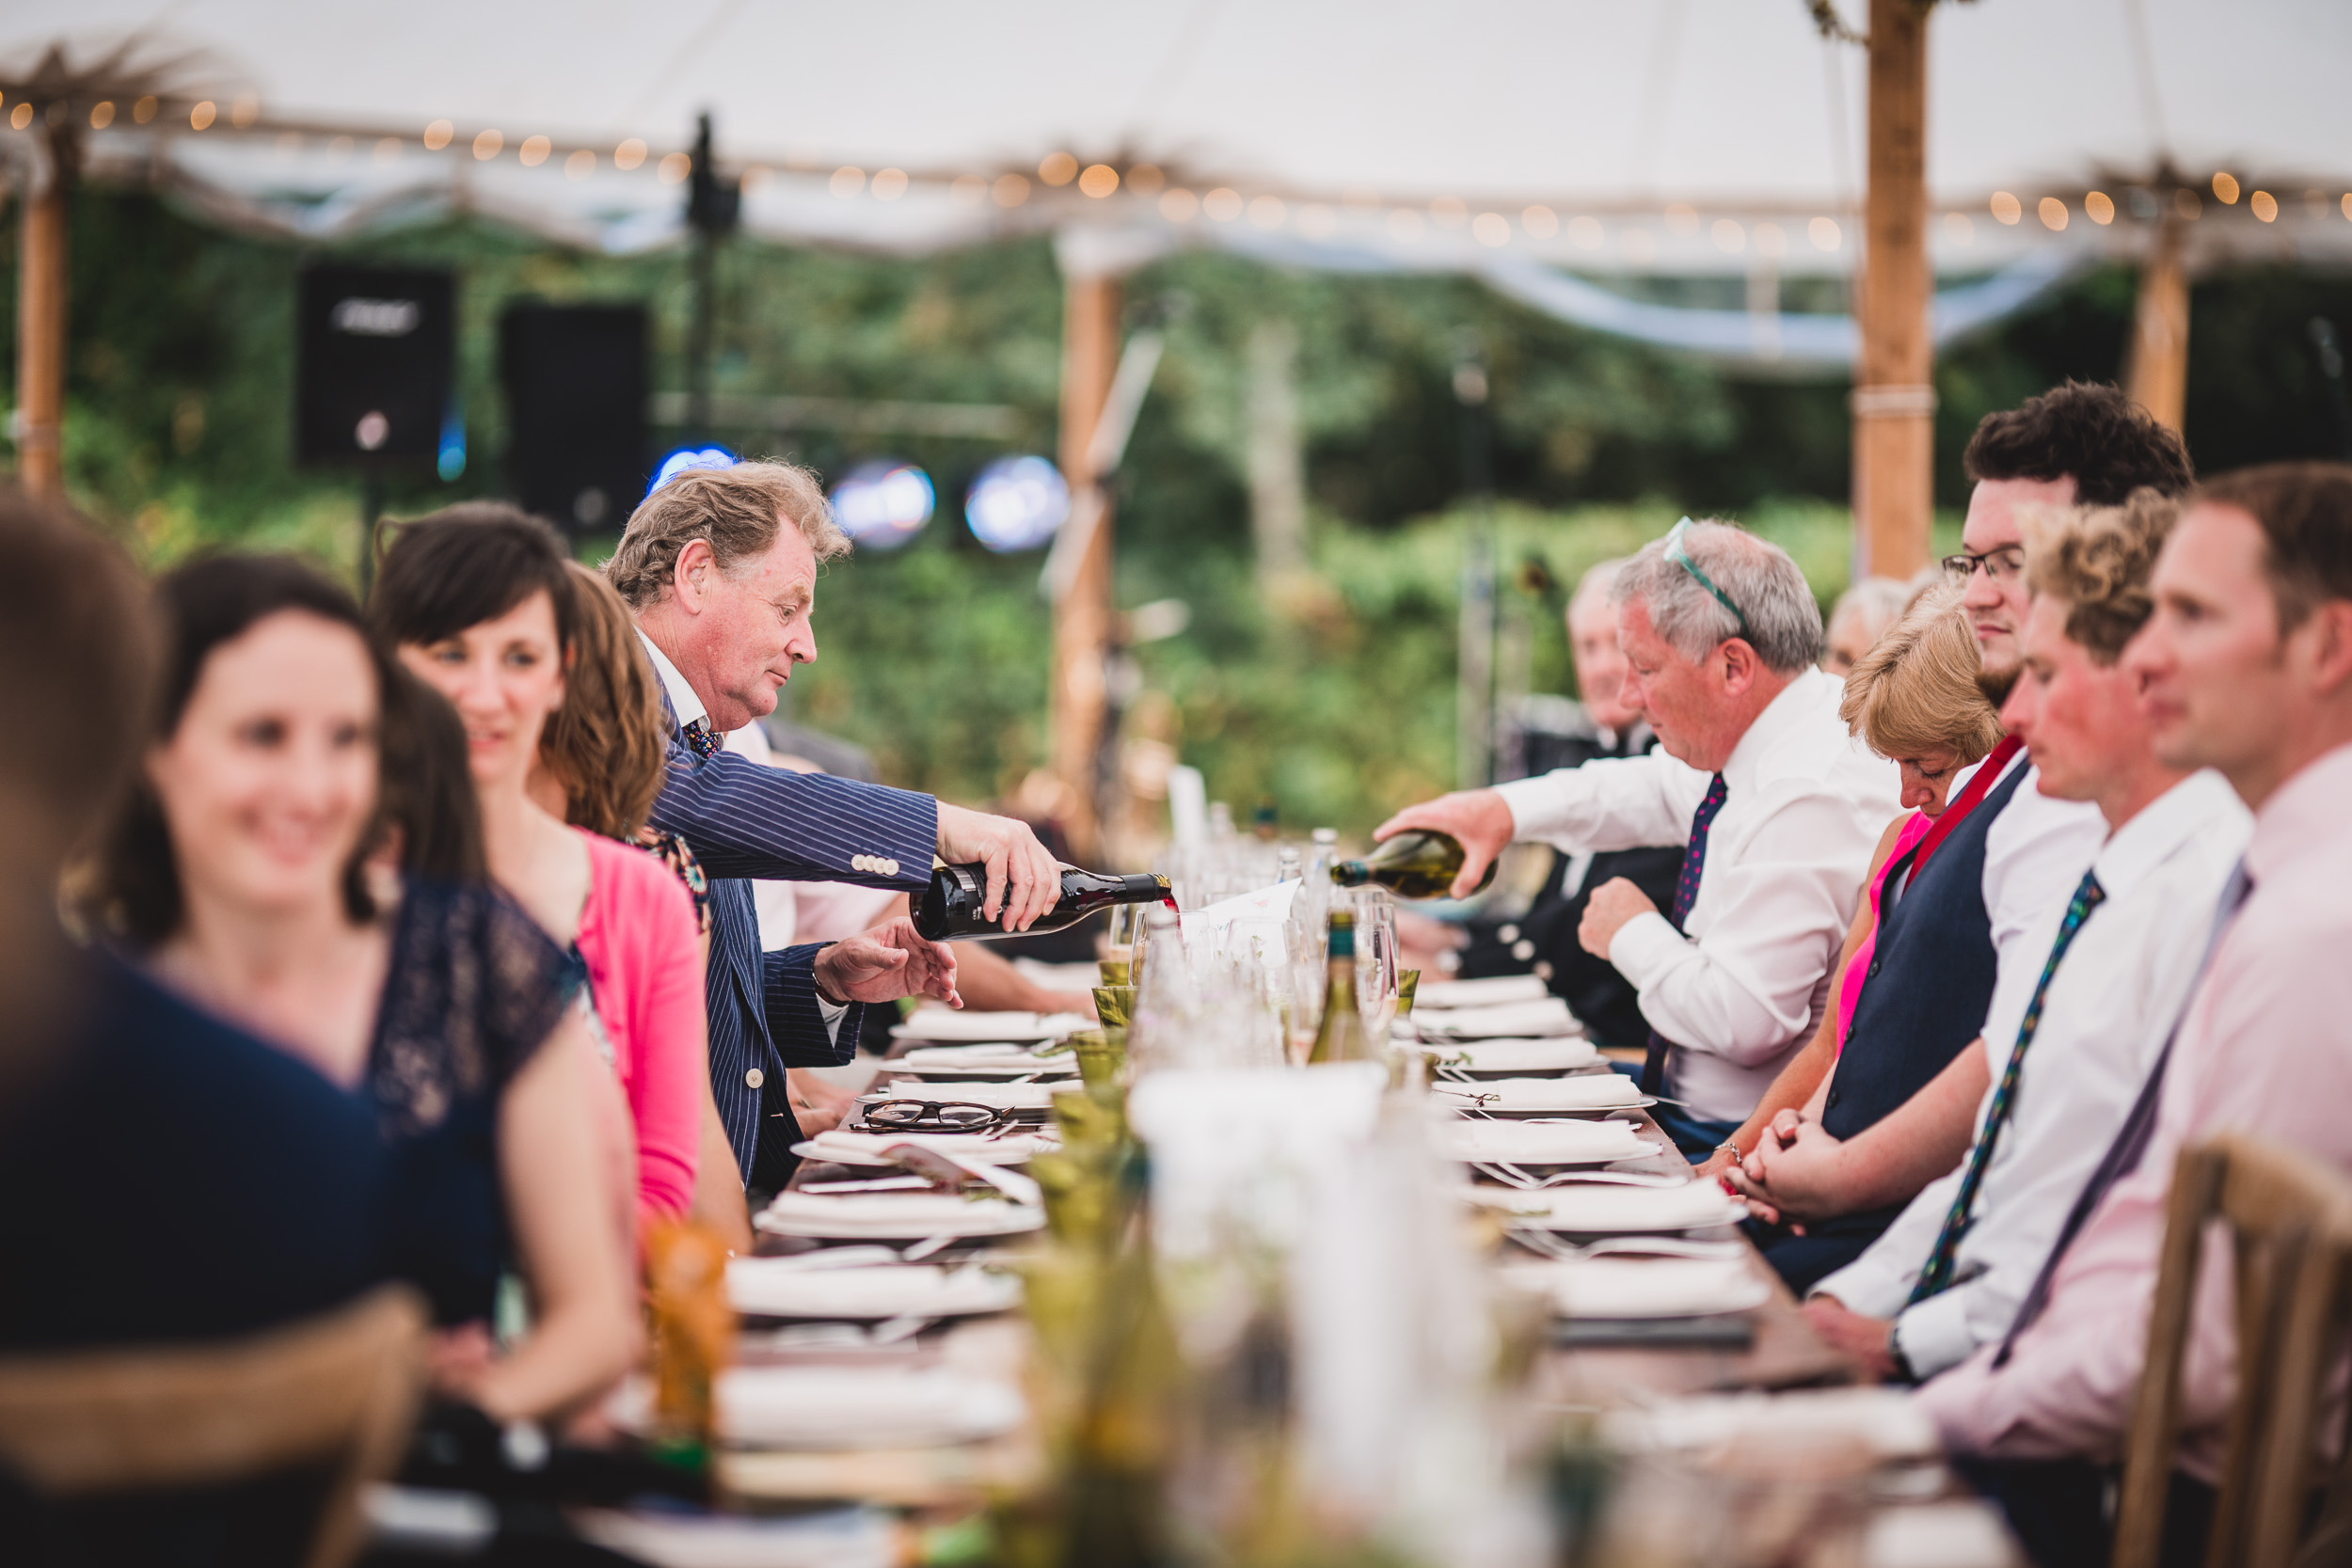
(949, 909)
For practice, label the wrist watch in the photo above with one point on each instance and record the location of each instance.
(1904, 1372)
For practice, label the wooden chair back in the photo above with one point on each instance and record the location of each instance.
(2289, 1218)
(339, 1391)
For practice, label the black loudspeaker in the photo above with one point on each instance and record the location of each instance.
(376, 347)
(575, 380)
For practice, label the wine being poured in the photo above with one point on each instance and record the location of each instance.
(950, 909)
(1416, 864)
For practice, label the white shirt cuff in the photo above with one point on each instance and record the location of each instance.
(1532, 803)
(1645, 947)
(1864, 1288)
(831, 1016)
(1934, 1334)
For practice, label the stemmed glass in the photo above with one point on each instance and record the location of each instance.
(1376, 962)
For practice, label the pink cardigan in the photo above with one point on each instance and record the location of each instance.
(645, 969)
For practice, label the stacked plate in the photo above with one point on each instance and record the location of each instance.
(1616, 1287)
(1538, 1017)
(830, 1407)
(1542, 1143)
(999, 1060)
(951, 1026)
(1510, 1058)
(895, 1216)
(866, 1148)
(1610, 1211)
(1036, 1098)
(1590, 1095)
(1485, 993)
(786, 1288)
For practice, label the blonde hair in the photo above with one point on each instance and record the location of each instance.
(2098, 559)
(739, 510)
(607, 743)
(1916, 690)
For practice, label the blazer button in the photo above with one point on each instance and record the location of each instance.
(889, 867)
(861, 863)
(1874, 966)
(1834, 1094)
(753, 1079)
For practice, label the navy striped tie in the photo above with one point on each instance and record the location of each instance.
(1686, 893)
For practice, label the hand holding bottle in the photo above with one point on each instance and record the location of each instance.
(1478, 817)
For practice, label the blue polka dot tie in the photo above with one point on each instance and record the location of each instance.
(700, 741)
(1686, 893)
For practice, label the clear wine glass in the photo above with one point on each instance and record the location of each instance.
(1376, 962)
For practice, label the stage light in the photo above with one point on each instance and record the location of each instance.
(1017, 503)
(684, 458)
(883, 504)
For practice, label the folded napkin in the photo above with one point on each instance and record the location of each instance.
(1017, 1097)
(1559, 1054)
(828, 1408)
(998, 1060)
(1645, 1287)
(1481, 992)
(757, 1287)
(1616, 1210)
(1885, 1421)
(1542, 1143)
(866, 1148)
(1542, 1016)
(1598, 1091)
(908, 1216)
(952, 1025)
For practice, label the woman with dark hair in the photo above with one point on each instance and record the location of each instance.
(479, 602)
(239, 872)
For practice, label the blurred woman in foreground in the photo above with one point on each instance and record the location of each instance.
(240, 873)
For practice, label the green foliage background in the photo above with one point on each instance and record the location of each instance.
(180, 414)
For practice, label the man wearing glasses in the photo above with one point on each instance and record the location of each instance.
(1774, 806)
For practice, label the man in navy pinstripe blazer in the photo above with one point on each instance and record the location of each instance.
(720, 567)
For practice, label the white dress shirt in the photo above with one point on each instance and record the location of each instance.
(2034, 854)
(2103, 1018)
(1744, 984)
(2262, 1052)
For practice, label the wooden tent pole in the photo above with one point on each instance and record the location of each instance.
(2157, 372)
(1894, 401)
(1082, 616)
(40, 319)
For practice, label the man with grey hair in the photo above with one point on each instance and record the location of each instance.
(1775, 806)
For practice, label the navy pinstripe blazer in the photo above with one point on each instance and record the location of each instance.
(743, 820)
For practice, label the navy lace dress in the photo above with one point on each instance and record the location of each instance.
(475, 987)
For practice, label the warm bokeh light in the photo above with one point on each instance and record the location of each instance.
(1682, 218)
(1058, 168)
(968, 190)
(1824, 234)
(1491, 228)
(144, 110)
(386, 150)
(1011, 190)
(890, 184)
(1179, 205)
(1449, 211)
(1960, 229)
(1099, 181)
(756, 177)
(534, 151)
(675, 167)
(2100, 207)
(2347, 205)
(2225, 188)
(1145, 178)
(2188, 203)
(628, 155)
(1223, 204)
(437, 134)
(2053, 213)
(21, 115)
(244, 112)
(100, 116)
(199, 117)
(1268, 212)
(1540, 222)
(1771, 240)
(2264, 206)
(488, 143)
(338, 147)
(1728, 236)
(2006, 208)
(1586, 233)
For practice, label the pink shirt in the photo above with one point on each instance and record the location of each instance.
(2265, 1049)
(1850, 985)
(645, 972)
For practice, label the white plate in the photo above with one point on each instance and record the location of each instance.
(1559, 1054)
(1596, 1210)
(1482, 992)
(985, 1061)
(756, 1286)
(1015, 1097)
(949, 1027)
(866, 1148)
(1593, 1092)
(895, 1216)
(1542, 1017)
(828, 1408)
(1542, 1143)
(1645, 1287)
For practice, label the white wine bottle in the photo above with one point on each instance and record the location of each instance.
(1417, 864)
(1341, 1038)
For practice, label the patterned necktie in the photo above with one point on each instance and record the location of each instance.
(2131, 1140)
(1686, 893)
(700, 741)
(1937, 1275)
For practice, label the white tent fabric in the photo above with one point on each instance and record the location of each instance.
(1524, 140)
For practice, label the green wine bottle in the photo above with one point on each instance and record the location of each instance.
(1341, 1038)
(1416, 864)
